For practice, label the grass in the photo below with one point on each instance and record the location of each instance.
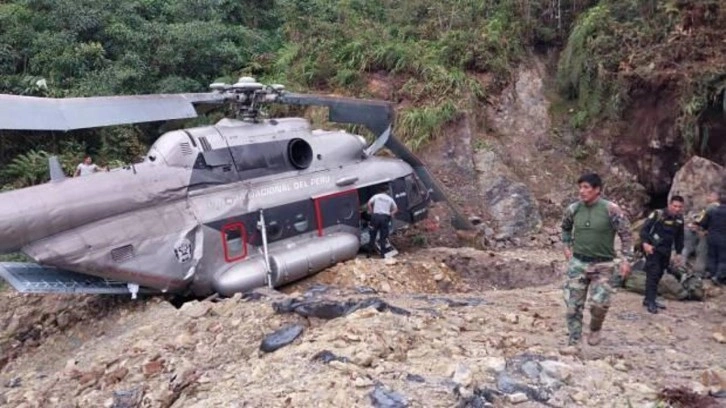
(435, 48)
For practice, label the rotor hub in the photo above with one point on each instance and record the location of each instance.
(248, 95)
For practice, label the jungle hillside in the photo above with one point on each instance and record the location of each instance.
(435, 60)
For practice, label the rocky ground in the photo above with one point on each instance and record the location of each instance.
(435, 328)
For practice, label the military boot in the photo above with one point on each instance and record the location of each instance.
(570, 350)
(657, 304)
(597, 317)
(594, 338)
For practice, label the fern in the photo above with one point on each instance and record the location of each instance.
(27, 169)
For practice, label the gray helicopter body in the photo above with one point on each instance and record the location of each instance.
(186, 219)
(214, 209)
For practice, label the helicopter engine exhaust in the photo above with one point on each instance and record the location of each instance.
(300, 153)
(288, 264)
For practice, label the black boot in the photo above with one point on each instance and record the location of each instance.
(657, 304)
(652, 308)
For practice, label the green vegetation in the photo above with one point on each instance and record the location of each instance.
(65, 48)
(436, 55)
(438, 58)
(668, 48)
(435, 59)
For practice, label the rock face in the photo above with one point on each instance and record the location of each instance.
(508, 201)
(695, 179)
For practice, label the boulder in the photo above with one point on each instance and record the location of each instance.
(695, 179)
(509, 202)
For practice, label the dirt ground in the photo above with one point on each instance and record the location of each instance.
(436, 334)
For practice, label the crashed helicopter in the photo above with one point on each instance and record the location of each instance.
(245, 203)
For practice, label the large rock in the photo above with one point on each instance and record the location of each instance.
(695, 179)
(507, 200)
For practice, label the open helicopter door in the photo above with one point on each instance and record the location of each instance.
(365, 194)
(337, 209)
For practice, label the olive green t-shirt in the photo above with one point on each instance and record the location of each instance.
(593, 233)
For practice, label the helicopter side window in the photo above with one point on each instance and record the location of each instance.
(234, 239)
(301, 223)
(274, 231)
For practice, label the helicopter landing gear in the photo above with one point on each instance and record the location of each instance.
(133, 289)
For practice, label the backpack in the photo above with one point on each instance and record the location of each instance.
(638, 225)
(694, 286)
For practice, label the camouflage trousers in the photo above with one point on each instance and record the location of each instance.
(581, 276)
(695, 244)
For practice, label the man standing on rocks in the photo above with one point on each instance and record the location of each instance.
(714, 222)
(662, 231)
(588, 233)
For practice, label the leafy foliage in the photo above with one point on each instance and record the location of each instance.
(618, 47)
(62, 48)
(435, 49)
(27, 169)
(438, 58)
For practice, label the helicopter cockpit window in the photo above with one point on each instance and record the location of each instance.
(235, 245)
(415, 191)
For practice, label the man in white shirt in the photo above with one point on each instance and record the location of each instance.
(86, 168)
(382, 208)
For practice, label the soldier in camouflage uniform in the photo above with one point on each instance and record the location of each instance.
(588, 232)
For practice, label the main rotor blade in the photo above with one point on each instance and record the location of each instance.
(375, 115)
(35, 113)
(379, 143)
(437, 193)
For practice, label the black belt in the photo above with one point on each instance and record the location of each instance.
(594, 259)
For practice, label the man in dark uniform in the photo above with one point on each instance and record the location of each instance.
(661, 232)
(714, 222)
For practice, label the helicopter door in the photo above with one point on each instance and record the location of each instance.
(400, 196)
(337, 209)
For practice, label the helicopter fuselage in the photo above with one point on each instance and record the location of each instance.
(222, 208)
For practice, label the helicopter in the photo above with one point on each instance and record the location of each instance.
(247, 202)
